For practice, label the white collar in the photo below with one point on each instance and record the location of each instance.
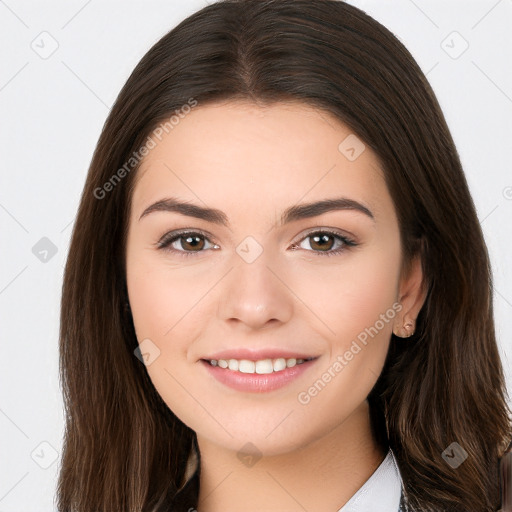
(382, 491)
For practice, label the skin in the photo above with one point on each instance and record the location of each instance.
(252, 162)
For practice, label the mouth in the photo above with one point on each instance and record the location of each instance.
(257, 376)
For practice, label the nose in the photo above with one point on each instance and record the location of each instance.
(255, 295)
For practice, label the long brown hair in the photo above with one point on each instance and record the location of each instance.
(124, 449)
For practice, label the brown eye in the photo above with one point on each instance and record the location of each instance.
(194, 243)
(322, 242)
(326, 243)
(186, 243)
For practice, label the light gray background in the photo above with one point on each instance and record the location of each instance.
(53, 108)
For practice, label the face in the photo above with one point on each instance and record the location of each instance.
(254, 276)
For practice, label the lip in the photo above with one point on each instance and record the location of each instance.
(254, 382)
(257, 355)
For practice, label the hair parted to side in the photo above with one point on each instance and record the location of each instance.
(124, 449)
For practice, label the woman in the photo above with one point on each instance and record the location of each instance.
(277, 295)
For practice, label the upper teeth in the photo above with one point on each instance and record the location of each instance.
(262, 366)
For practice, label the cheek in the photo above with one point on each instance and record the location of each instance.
(366, 295)
(162, 298)
(351, 296)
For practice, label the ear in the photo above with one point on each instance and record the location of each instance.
(412, 293)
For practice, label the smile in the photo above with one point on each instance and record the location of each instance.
(257, 376)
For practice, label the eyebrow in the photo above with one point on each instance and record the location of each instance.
(291, 214)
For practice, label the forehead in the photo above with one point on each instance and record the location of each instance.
(252, 156)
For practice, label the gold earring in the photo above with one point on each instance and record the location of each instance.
(408, 328)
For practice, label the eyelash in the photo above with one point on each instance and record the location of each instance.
(165, 242)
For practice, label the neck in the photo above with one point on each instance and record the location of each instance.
(320, 476)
